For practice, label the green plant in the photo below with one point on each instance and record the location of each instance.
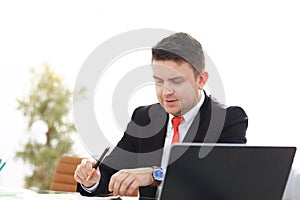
(48, 101)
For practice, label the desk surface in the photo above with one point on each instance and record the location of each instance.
(24, 194)
(59, 197)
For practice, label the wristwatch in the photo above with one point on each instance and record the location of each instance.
(158, 175)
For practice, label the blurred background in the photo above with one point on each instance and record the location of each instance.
(253, 44)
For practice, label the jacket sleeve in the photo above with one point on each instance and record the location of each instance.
(123, 156)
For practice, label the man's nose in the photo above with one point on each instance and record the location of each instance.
(167, 89)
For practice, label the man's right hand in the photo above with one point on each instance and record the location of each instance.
(84, 169)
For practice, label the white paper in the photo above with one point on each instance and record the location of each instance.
(24, 194)
(96, 198)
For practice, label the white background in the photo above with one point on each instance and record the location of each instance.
(254, 45)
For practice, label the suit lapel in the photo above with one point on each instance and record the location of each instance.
(208, 123)
(198, 128)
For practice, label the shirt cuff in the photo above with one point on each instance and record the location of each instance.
(90, 189)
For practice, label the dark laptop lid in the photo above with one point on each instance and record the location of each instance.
(231, 172)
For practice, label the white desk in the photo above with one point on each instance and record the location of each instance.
(60, 197)
(23, 194)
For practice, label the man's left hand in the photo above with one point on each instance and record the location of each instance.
(126, 182)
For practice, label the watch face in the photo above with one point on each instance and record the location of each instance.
(158, 174)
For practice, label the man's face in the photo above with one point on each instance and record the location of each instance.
(177, 88)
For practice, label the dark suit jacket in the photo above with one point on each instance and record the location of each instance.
(143, 141)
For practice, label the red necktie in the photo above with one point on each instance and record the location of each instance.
(176, 121)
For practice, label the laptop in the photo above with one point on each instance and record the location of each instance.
(227, 172)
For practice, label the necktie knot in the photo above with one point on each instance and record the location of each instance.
(176, 121)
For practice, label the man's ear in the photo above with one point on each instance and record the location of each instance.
(202, 78)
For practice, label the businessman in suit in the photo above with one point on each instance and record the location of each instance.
(185, 113)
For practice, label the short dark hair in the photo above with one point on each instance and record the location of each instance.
(180, 47)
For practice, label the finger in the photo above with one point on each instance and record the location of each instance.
(88, 164)
(95, 177)
(132, 190)
(78, 174)
(83, 169)
(126, 184)
(80, 171)
(112, 182)
(93, 180)
(116, 181)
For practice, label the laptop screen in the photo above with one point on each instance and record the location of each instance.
(231, 172)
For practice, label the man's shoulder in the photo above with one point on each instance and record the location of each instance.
(147, 108)
(232, 110)
(233, 119)
(144, 114)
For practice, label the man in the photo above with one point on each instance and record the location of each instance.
(185, 113)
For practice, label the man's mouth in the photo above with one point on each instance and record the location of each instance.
(171, 101)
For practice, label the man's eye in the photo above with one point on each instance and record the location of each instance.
(159, 82)
(177, 80)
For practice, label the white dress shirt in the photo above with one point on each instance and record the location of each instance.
(184, 126)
